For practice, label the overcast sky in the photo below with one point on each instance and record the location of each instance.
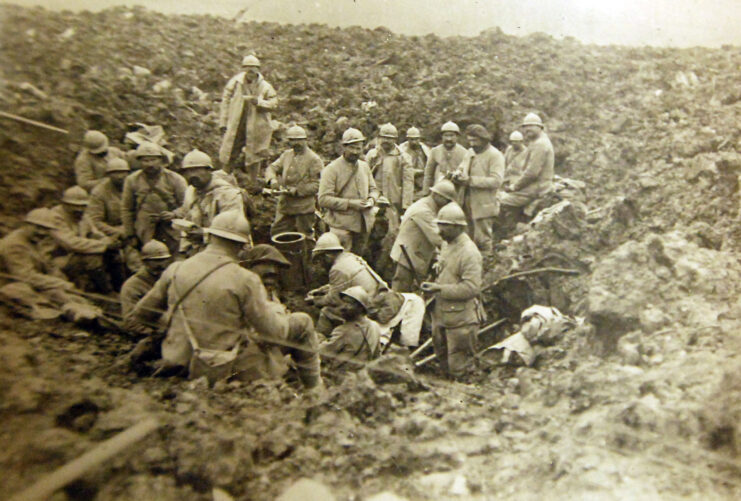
(628, 22)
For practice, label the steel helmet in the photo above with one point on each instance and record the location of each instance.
(413, 133)
(359, 294)
(197, 158)
(95, 141)
(296, 132)
(154, 249)
(148, 150)
(250, 61)
(445, 188)
(231, 225)
(352, 135)
(388, 130)
(516, 136)
(532, 119)
(75, 196)
(450, 127)
(451, 214)
(327, 242)
(264, 253)
(117, 165)
(42, 217)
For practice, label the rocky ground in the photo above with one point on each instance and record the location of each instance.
(640, 401)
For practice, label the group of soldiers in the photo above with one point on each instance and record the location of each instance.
(205, 300)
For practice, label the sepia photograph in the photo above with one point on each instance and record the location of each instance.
(370, 250)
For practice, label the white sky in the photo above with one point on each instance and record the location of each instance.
(628, 22)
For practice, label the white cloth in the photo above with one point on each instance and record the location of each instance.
(410, 315)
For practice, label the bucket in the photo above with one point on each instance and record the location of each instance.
(293, 246)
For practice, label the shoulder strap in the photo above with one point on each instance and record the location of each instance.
(180, 300)
(347, 183)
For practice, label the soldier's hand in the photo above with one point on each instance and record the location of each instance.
(251, 99)
(355, 204)
(113, 244)
(292, 191)
(430, 287)
(166, 216)
(130, 241)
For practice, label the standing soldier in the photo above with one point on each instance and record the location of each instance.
(445, 157)
(150, 197)
(393, 173)
(245, 121)
(418, 238)
(297, 172)
(418, 153)
(91, 162)
(348, 192)
(221, 320)
(514, 157)
(208, 195)
(537, 176)
(457, 312)
(478, 178)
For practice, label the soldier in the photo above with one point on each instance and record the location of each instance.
(104, 208)
(33, 284)
(357, 339)
(418, 153)
(445, 157)
(155, 258)
(244, 119)
(348, 192)
(457, 312)
(393, 173)
(221, 321)
(537, 175)
(150, 197)
(91, 162)
(345, 270)
(478, 178)
(514, 158)
(418, 235)
(296, 172)
(267, 262)
(210, 193)
(81, 250)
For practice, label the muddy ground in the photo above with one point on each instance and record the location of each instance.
(640, 401)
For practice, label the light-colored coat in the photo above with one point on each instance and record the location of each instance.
(456, 305)
(22, 259)
(537, 177)
(341, 181)
(221, 311)
(141, 199)
(104, 209)
(259, 127)
(358, 340)
(201, 206)
(486, 172)
(296, 171)
(76, 237)
(349, 270)
(514, 162)
(394, 175)
(441, 162)
(419, 235)
(89, 169)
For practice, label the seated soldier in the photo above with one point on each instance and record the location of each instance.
(345, 270)
(355, 341)
(80, 249)
(34, 286)
(155, 258)
(267, 262)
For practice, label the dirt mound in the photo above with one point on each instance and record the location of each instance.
(653, 133)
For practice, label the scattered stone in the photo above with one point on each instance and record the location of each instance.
(307, 489)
